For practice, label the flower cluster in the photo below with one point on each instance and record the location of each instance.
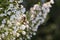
(15, 25)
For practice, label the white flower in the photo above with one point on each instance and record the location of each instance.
(23, 10)
(11, 0)
(32, 17)
(23, 15)
(2, 15)
(3, 21)
(6, 33)
(18, 34)
(36, 7)
(14, 33)
(0, 38)
(11, 5)
(12, 17)
(52, 1)
(18, 12)
(17, 6)
(40, 13)
(33, 21)
(45, 10)
(46, 5)
(41, 20)
(44, 15)
(28, 36)
(3, 35)
(34, 33)
(9, 12)
(20, 1)
(14, 10)
(27, 26)
(9, 23)
(22, 27)
(21, 39)
(2, 25)
(6, 28)
(17, 23)
(14, 28)
(22, 6)
(13, 38)
(37, 18)
(23, 32)
(1, 8)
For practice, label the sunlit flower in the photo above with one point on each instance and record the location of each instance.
(1, 8)
(11, 0)
(18, 34)
(23, 32)
(52, 1)
(3, 21)
(3, 35)
(22, 27)
(6, 33)
(11, 5)
(20, 1)
(36, 7)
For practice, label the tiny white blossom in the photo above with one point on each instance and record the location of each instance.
(21, 39)
(11, 0)
(9, 23)
(4, 21)
(1, 8)
(27, 26)
(12, 17)
(3, 35)
(0, 38)
(11, 5)
(20, 1)
(13, 38)
(2, 15)
(2, 25)
(52, 1)
(18, 12)
(36, 7)
(34, 33)
(6, 33)
(28, 36)
(23, 32)
(9, 13)
(23, 10)
(14, 28)
(46, 5)
(33, 21)
(14, 33)
(22, 27)
(18, 34)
